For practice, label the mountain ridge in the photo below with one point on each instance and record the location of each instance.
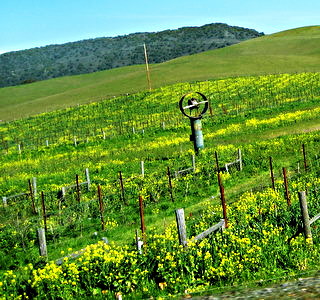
(104, 53)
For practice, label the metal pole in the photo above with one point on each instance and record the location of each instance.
(142, 168)
(196, 136)
(34, 186)
(240, 159)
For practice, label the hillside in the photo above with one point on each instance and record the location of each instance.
(292, 51)
(272, 119)
(98, 54)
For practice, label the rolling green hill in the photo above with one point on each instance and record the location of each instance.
(291, 51)
(271, 118)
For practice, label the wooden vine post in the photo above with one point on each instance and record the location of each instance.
(101, 207)
(223, 200)
(271, 173)
(217, 160)
(285, 181)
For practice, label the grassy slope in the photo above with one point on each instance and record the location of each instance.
(290, 51)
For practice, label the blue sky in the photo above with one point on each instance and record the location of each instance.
(26, 24)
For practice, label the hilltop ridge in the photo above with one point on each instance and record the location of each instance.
(98, 54)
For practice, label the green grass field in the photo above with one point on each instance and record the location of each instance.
(290, 51)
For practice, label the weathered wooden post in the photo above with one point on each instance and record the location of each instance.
(285, 181)
(101, 207)
(181, 225)
(88, 179)
(271, 173)
(47, 143)
(305, 215)
(42, 242)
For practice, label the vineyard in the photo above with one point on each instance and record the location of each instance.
(79, 174)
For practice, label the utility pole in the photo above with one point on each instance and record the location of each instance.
(147, 66)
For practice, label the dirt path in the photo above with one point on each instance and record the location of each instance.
(303, 288)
